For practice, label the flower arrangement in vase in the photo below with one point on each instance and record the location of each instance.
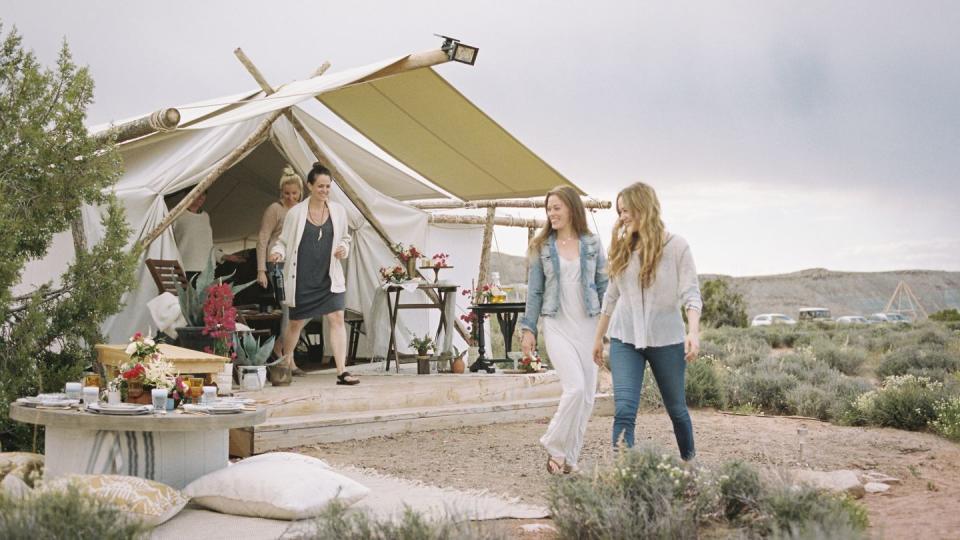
(409, 255)
(393, 274)
(220, 320)
(147, 369)
(482, 294)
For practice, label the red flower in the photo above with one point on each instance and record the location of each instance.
(135, 372)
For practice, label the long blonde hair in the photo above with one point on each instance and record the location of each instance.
(646, 236)
(578, 217)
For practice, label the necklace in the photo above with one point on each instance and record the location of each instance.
(563, 241)
(319, 222)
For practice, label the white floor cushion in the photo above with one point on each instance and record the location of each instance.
(271, 488)
(284, 457)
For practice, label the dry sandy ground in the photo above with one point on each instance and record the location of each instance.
(507, 459)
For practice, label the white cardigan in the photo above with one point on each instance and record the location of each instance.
(288, 247)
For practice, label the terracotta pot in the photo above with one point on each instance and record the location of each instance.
(136, 393)
(458, 365)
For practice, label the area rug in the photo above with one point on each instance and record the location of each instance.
(389, 496)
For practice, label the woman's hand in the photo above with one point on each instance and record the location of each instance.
(262, 278)
(691, 346)
(527, 343)
(275, 257)
(340, 252)
(598, 352)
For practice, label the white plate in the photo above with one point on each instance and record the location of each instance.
(222, 408)
(46, 400)
(122, 409)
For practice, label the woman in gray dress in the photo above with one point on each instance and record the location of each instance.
(314, 240)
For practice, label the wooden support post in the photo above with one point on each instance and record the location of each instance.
(500, 203)
(484, 274)
(530, 234)
(162, 120)
(501, 221)
(342, 180)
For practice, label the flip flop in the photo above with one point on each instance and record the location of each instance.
(342, 379)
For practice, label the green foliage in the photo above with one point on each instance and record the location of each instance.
(946, 315)
(903, 402)
(63, 515)
(249, 350)
(935, 364)
(336, 522)
(704, 383)
(722, 306)
(947, 422)
(845, 359)
(422, 344)
(49, 167)
(649, 494)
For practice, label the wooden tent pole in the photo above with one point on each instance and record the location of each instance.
(530, 234)
(499, 203)
(500, 221)
(344, 184)
(162, 120)
(484, 273)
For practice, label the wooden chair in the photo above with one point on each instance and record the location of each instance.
(167, 274)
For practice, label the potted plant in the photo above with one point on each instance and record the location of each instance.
(423, 346)
(197, 307)
(251, 360)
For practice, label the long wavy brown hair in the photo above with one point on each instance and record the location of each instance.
(578, 217)
(646, 234)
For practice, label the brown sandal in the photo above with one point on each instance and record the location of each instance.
(553, 465)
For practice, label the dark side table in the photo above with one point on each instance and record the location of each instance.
(507, 315)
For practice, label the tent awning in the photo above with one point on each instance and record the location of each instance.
(425, 123)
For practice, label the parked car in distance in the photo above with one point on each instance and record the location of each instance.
(811, 314)
(852, 319)
(767, 319)
(895, 318)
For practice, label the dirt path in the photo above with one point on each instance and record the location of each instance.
(507, 459)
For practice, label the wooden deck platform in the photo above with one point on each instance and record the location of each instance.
(314, 409)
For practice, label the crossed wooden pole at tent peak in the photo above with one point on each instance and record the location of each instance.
(342, 180)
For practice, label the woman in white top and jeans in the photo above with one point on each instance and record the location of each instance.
(653, 271)
(567, 280)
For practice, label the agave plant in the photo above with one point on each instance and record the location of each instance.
(250, 352)
(194, 295)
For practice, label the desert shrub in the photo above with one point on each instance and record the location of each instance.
(932, 336)
(920, 362)
(704, 383)
(945, 315)
(808, 400)
(645, 494)
(63, 515)
(722, 306)
(763, 386)
(845, 359)
(903, 402)
(336, 522)
(806, 512)
(741, 491)
(947, 422)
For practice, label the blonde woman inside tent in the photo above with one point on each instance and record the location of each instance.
(652, 276)
(291, 191)
(567, 279)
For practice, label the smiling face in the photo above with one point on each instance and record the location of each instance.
(290, 194)
(320, 188)
(557, 213)
(626, 215)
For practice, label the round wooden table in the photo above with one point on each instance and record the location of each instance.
(174, 448)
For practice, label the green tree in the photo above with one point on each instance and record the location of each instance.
(722, 306)
(945, 315)
(49, 168)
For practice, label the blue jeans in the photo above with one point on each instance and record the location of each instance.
(627, 364)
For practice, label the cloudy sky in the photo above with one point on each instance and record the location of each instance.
(779, 135)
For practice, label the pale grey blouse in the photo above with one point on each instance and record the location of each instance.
(650, 317)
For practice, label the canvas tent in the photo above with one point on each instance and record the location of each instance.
(477, 156)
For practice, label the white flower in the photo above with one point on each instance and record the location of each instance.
(131, 348)
(149, 342)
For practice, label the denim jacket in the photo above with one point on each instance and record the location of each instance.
(543, 288)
